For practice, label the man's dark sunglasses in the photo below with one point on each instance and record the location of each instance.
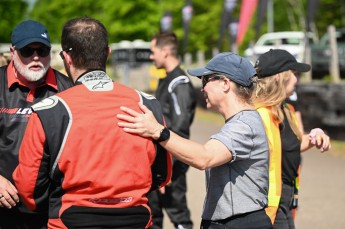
(43, 51)
(64, 50)
(206, 79)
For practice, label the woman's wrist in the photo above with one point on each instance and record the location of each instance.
(157, 132)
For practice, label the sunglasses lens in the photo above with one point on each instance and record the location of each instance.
(28, 51)
(43, 51)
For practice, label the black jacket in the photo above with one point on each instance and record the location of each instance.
(15, 103)
(177, 96)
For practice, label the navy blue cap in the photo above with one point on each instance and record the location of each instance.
(28, 32)
(235, 67)
(276, 61)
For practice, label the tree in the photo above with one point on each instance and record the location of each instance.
(130, 20)
(140, 19)
(12, 12)
(125, 20)
(330, 12)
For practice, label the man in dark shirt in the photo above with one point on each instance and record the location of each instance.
(27, 79)
(176, 94)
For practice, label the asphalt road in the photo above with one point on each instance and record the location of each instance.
(321, 199)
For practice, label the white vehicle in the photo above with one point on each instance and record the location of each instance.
(291, 41)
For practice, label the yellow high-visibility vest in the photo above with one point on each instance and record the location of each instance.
(275, 161)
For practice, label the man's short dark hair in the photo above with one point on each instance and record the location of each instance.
(164, 39)
(88, 39)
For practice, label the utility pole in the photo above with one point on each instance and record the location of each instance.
(270, 16)
(334, 61)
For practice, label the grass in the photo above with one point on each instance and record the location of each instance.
(338, 148)
(204, 115)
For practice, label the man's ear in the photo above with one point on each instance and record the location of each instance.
(68, 59)
(166, 51)
(12, 50)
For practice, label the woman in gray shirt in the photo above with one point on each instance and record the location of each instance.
(235, 159)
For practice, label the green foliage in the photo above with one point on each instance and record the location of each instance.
(12, 12)
(140, 19)
(124, 19)
(330, 12)
(130, 20)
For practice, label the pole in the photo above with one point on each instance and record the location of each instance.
(334, 61)
(270, 16)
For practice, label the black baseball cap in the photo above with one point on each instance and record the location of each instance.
(28, 32)
(276, 61)
(233, 66)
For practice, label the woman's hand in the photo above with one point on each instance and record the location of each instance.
(143, 124)
(319, 139)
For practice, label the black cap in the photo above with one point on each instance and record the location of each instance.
(276, 61)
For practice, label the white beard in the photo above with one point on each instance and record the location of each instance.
(29, 75)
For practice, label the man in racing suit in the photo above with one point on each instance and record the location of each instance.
(176, 94)
(26, 80)
(75, 161)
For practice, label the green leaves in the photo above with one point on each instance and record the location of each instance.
(140, 19)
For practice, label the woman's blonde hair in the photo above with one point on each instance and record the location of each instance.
(271, 92)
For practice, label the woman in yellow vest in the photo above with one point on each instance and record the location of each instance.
(276, 80)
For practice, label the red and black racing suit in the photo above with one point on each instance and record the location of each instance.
(77, 163)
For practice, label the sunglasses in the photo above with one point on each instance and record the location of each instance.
(206, 79)
(43, 51)
(64, 50)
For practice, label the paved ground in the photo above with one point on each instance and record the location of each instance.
(321, 200)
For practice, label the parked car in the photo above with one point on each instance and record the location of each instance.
(291, 41)
(321, 54)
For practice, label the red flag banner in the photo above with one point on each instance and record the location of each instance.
(247, 9)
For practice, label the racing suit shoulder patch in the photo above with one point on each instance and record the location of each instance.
(177, 81)
(145, 95)
(46, 103)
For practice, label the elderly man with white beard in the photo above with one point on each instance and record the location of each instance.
(26, 80)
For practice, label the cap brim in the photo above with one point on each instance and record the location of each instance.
(300, 67)
(199, 72)
(26, 42)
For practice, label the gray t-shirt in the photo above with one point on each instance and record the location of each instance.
(239, 186)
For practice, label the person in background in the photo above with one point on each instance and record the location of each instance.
(176, 94)
(75, 162)
(276, 71)
(26, 80)
(235, 159)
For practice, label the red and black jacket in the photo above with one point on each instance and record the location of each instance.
(15, 102)
(76, 161)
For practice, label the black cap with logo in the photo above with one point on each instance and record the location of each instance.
(276, 61)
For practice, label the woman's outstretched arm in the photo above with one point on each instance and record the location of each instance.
(211, 154)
